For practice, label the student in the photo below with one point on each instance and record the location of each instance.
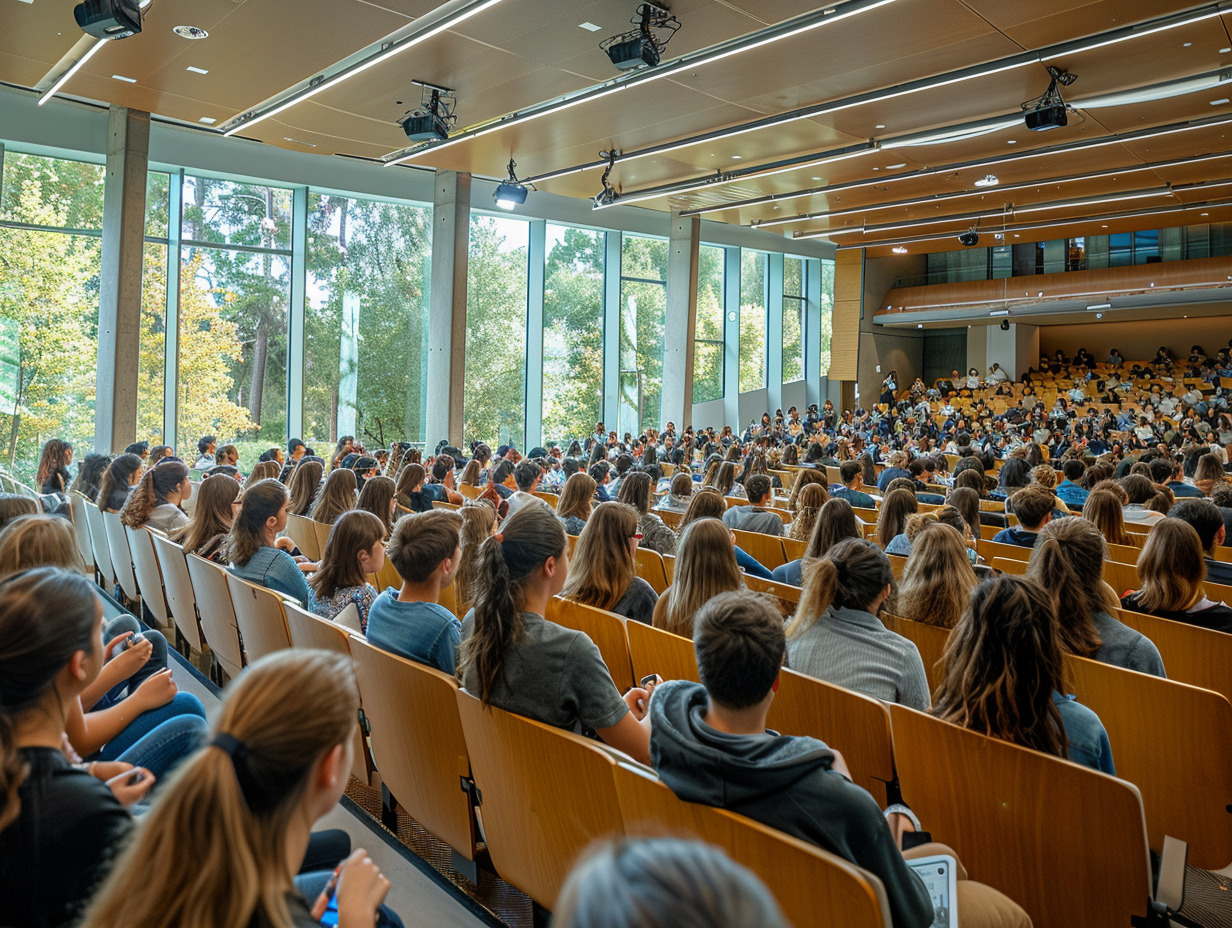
(897, 468)
(442, 480)
(1103, 509)
(663, 883)
(637, 490)
(805, 478)
(411, 491)
(251, 548)
(809, 505)
(705, 566)
(355, 550)
(410, 621)
(708, 504)
(478, 525)
(377, 497)
(527, 475)
(53, 475)
(710, 744)
(754, 517)
(602, 572)
(1069, 491)
(514, 659)
(576, 502)
(938, 579)
(1208, 522)
(601, 473)
(278, 760)
(1139, 491)
(1033, 505)
(263, 470)
(1004, 676)
(217, 504)
(206, 446)
(677, 499)
(897, 505)
(118, 481)
(852, 476)
(90, 474)
(156, 500)
(337, 496)
(1208, 474)
(1172, 570)
(836, 636)
(305, 481)
(1068, 562)
(835, 522)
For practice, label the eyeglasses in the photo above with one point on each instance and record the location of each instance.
(637, 535)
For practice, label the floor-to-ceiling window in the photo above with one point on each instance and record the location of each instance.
(643, 315)
(753, 298)
(572, 333)
(795, 313)
(708, 336)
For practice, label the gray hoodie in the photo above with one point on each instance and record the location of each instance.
(783, 782)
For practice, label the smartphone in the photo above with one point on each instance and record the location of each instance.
(940, 875)
(330, 917)
(134, 639)
(648, 682)
(135, 777)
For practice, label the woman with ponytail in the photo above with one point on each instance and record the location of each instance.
(836, 636)
(156, 500)
(410, 489)
(215, 848)
(1068, 562)
(514, 659)
(251, 547)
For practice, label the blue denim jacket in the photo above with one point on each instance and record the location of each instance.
(1088, 741)
(274, 569)
(1072, 495)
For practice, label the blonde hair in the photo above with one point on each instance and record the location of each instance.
(305, 481)
(1045, 475)
(938, 579)
(337, 497)
(213, 515)
(1103, 509)
(705, 566)
(815, 496)
(577, 497)
(806, 478)
(478, 520)
(262, 470)
(602, 565)
(212, 851)
(38, 540)
(850, 575)
(1171, 567)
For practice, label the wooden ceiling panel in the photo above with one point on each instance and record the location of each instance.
(35, 32)
(20, 70)
(1047, 22)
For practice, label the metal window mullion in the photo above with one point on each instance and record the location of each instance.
(774, 330)
(295, 324)
(812, 332)
(171, 322)
(611, 328)
(536, 256)
(731, 334)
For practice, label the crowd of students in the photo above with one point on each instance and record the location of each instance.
(91, 724)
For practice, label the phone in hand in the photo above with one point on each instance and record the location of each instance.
(135, 777)
(648, 682)
(132, 640)
(330, 916)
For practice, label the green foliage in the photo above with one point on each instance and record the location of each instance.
(573, 336)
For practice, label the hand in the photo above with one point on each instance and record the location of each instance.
(156, 691)
(127, 792)
(361, 890)
(111, 645)
(135, 657)
(285, 543)
(638, 701)
(106, 770)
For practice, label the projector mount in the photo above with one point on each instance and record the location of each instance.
(1048, 110)
(434, 116)
(643, 46)
(609, 194)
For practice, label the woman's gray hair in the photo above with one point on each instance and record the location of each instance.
(663, 883)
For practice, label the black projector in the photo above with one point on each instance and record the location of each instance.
(425, 127)
(108, 19)
(632, 54)
(1047, 117)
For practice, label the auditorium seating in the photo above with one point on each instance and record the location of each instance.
(260, 617)
(121, 557)
(148, 576)
(181, 600)
(217, 613)
(302, 531)
(605, 629)
(1197, 656)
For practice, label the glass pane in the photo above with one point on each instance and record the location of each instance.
(1146, 246)
(365, 326)
(572, 334)
(827, 315)
(708, 347)
(152, 347)
(643, 312)
(793, 339)
(228, 212)
(52, 192)
(157, 202)
(793, 276)
(48, 342)
(1120, 249)
(752, 320)
(233, 349)
(494, 410)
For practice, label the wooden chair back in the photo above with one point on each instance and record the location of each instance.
(1123, 554)
(990, 549)
(449, 600)
(1121, 577)
(898, 564)
(652, 650)
(550, 498)
(177, 584)
(149, 578)
(788, 595)
(793, 550)
(812, 886)
(649, 566)
(767, 550)
(1008, 566)
(547, 795)
(417, 742)
(301, 531)
(217, 613)
(1197, 656)
(670, 518)
(605, 629)
(929, 640)
(322, 529)
(468, 491)
(98, 543)
(81, 528)
(1219, 592)
(387, 576)
(1066, 843)
(443, 504)
(260, 617)
(1185, 781)
(121, 557)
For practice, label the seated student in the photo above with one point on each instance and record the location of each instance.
(601, 474)
(897, 505)
(278, 761)
(1171, 568)
(378, 498)
(441, 486)
(90, 474)
(754, 517)
(1103, 509)
(1139, 493)
(355, 550)
(637, 490)
(836, 636)
(252, 548)
(663, 883)
(710, 744)
(217, 503)
(896, 467)
(527, 475)
(808, 508)
(53, 474)
(576, 502)
(155, 503)
(411, 491)
(1208, 521)
(514, 659)
(852, 490)
(708, 504)
(118, 481)
(339, 494)
(835, 522)
(1004, 676)
(500, 477)
(938, 578)
(410, 621)
(1068, 562)
(1208, 474)
(478, 525)
(705, 566)
(602, 570)
(677, 499)
(206, 446)
(1068, 490)
(1033, 505)
(1173, 479)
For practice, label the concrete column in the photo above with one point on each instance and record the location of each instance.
(611, 330)
(451, 212)
(731, 336)
(119, 311)
(681, 323)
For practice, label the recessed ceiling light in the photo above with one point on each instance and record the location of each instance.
(879, 126)
(190, 32)
(1103, 226)
(287, 138)
(918, 325)
(1187, 44)
(1016, 235)
(816, 178)
(197, 70)
(121, 77)
(208, 120)
(589, 27)
(1203, 214)
(895, 167)
(1224, 51)
(737, 157)
(1012, 142)
(988, 180)
(899, 250)
(1220, 102)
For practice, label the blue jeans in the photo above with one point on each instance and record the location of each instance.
(311, 885)
(158, 659)
(182, 704)
(162, 749)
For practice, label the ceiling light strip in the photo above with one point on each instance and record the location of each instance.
(1055, 298)
(787, 29)
(73, 69)
(322, 82)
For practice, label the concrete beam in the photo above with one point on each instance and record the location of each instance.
(447, 307)
(681, 322)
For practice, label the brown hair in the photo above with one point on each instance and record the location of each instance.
(421, 540)
(478, 521)
(897, 505)
(54, 457)
(602, 566)
(305, 481)
(835, 521)
(635, 489)
(577, 497)
(705, 504)
(1032, 504)
(739, 642)
(938, 579)
(1068, 562)
(262, 470)
(705, 566)
(470, 474)
(815, 496)
(212, 517)
(851, 575)
(337, 496)
(1171, 567)
(804, 479)
(1103, 509)
(39, 540)
(377, 497)
(353, 532)
(260, 502)
(152, 492)
(118, 473)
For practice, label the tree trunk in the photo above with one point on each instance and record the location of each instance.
(256, 389)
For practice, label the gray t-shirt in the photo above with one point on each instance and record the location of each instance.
(851, 648)
(1126, 647)
(639, 601)
(751, 519)
(554, 675)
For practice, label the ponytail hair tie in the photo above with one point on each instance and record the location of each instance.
(237, 750)
(500, 538)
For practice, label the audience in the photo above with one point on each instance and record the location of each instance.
(90, 475)
(602, 570)
(576, 499)
(339, 494)
(1033, 505)
(52, 475)
(679, 495)
(636, 490)
(218, 500)
(377, 497)
(809, 504)
(705, 566)
(708, 504)
(835, 522)
(1172, 569)
(1208, 522)
(478, 524)
(155, 503)
(355, 550)
(253, 549)
(937, 579)
(852, 476)
(896, 506)
(1103, 510)
(755, 517)
(118, 481)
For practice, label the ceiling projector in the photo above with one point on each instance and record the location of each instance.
(108, 19)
